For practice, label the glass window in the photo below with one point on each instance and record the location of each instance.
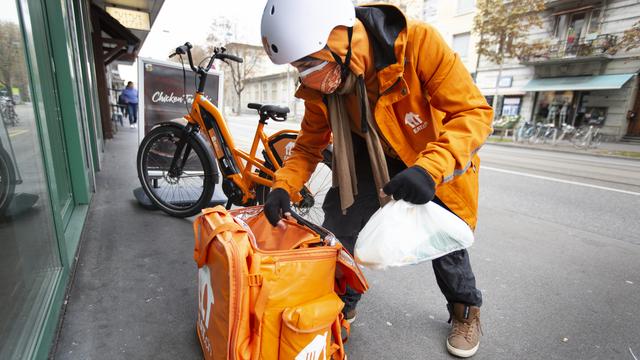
(461, 44)
(29, 257)
(555, 107)
(511, 105)
(594, 22)
(274, 92)
(466, 5)
(430, 10)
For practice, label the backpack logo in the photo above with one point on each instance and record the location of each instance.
(314, 349)
(288, 149)
(414, 122)
(204, 306)
(204, 288)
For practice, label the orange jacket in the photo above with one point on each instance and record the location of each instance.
(428, 109)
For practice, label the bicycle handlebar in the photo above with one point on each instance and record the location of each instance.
(218, 53)
(229, 57)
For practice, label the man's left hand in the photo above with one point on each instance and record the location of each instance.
(413, 184)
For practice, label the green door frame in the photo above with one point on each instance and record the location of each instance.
(57, 19)
(31, 14)
(83, 28)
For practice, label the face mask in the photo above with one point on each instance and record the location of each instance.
(325, 77)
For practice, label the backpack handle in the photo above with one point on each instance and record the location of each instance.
(325, 234)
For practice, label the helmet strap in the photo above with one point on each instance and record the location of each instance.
(347, 59)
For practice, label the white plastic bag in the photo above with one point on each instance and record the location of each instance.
(401, 233)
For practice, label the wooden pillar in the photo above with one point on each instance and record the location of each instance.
(101, 78)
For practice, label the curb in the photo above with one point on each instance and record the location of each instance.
(561, 150)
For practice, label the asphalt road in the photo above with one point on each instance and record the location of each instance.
(557, 256)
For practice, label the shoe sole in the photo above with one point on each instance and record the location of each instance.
(350, 321)
(462, 353)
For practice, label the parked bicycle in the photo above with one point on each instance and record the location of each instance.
(543, 133)
(588, 136)
(524, 132)
(8, 111)
(177, 163)
(566, 133)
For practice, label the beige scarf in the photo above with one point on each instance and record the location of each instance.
(344, 173)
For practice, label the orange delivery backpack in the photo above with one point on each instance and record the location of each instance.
(267, 293)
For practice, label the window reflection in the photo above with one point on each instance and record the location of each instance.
(29, 258)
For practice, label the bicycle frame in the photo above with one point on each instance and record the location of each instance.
(235, 164)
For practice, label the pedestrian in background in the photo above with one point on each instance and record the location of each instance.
(130, 96)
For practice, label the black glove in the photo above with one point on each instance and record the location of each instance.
(277, 205)
(413, 184)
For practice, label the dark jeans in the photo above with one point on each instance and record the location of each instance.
(132, 109)
(453, 271)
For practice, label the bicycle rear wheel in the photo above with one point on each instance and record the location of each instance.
(185, 188)
(7, 181)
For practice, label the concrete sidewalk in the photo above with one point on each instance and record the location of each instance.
(134, 294)
(608, 149)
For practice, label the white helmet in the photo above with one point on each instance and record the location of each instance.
(293, 29)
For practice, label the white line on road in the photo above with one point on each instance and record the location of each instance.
(559, 180)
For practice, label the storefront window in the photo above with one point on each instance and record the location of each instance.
(29, 256)
(557, 107)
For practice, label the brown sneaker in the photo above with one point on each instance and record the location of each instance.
(350, 315)
(464, 338)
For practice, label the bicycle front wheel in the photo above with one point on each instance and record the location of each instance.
(178, 179)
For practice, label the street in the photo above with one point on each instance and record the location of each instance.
(557, 259)
(557, 256)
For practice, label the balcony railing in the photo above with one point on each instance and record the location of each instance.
(579, 48)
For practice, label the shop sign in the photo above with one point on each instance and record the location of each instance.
(162, 92)
(132, 19)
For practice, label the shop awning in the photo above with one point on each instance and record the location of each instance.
(595, 82)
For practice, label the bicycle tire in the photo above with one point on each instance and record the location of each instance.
(596, 140)
(171, 202)
(7, 181)
(533, 138)
(320, 182)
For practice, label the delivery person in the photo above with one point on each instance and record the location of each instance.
(403, 115)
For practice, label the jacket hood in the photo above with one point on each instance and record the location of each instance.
(384, 24)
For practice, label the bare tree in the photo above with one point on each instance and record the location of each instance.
(503, 27)
(251, 55)
(13, 70)
(221, 32)
(198, 52)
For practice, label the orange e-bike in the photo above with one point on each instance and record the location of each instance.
(179, 164)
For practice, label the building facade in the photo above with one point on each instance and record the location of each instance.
(579, 77)
(277, 89)
(54, 65)
(454, 21)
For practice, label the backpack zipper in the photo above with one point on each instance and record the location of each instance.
(234, 309)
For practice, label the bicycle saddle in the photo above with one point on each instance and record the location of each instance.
(270, 110)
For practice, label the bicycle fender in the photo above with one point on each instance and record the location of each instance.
(180, 124)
